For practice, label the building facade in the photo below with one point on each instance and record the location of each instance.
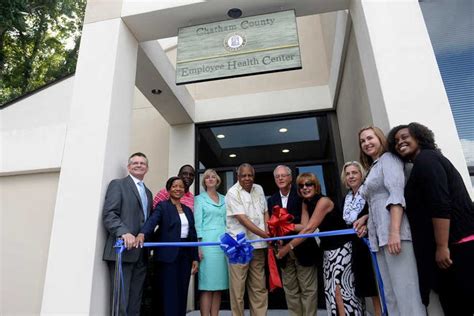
(365, 62)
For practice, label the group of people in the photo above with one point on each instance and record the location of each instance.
(420, 225)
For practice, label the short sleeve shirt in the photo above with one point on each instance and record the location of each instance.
(253, 205)
(163, 195)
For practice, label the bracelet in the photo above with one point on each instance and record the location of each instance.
(291, 246)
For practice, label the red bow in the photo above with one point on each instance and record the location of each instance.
(279, 224)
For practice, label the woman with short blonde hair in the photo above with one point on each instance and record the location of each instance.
(207, 174)
(356, 210)
(210, 217)
(357, 165)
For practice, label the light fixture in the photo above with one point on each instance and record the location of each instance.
(234, 13)
(285, 151)
(283, 130)
(232, 155)
(220, 136)
(156, 91)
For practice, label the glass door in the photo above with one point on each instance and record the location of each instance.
(302, 142)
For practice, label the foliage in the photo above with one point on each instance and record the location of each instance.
(39, 43)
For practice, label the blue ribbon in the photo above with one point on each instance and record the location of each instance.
(348, 231)
(378, 276)
(118, 297)
(119, 246)
(237, 250)
(340, 232)
(240, 251)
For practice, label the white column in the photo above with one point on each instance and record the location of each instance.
(401, 73)
(181, 152)
(95, 152)
(181, 147)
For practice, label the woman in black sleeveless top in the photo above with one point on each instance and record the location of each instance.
(320, 212)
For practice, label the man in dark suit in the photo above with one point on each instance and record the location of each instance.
(127, 205)
(299, 275)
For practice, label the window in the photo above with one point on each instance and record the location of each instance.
(451, 27)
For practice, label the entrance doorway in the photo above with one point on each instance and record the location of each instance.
(305, 143)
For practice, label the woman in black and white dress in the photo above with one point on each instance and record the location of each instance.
(320, 212)
(355, 213)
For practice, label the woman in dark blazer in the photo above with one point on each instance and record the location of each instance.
(175, 264)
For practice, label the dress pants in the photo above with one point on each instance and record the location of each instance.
(301, 287)
(134, 274)
(173, 283)
(400, 281)
(252, 277)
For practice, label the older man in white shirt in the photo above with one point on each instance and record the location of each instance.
(247, 212)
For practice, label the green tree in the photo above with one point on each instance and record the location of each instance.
(39, 43)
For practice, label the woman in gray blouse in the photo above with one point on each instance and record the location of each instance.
(389, 231)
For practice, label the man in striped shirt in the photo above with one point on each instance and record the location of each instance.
(186, 173)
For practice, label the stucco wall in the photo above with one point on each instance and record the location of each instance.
(32, 136)
(33, 130)
(150, 135)
(27, 207)
(328, 29)
(352, 108)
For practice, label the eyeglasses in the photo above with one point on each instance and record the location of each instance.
(281, 176)
(134, 163)
(307, 184)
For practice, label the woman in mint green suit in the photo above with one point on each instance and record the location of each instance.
(210, 222)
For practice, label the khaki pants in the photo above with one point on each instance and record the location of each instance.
(252, 277)
(301, 287)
